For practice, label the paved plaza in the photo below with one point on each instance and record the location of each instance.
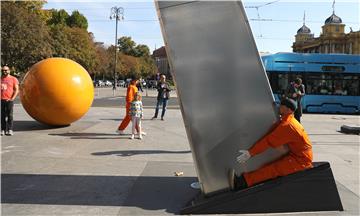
(87, 169)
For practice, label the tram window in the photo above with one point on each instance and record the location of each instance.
(340, 88)
(345, 84)
(318, 84)
(274, 82)
(279, 83)
(351, 85)
(334, 84)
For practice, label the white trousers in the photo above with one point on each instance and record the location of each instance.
(136, 123)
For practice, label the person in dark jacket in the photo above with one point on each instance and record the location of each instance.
(296, 91)
(162, 97)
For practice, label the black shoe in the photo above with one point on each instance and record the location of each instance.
(162, 119)
(153, 118)
(240, 183)
(236, 182)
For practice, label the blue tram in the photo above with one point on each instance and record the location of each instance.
(331, 80)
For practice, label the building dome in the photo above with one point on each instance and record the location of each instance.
(304, 30)
(333, 19)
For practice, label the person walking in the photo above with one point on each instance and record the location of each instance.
(162, 97)
(288, 132)
(130, 96)
(296, 91)
(9, 91)
(136, 113)
(140, 85)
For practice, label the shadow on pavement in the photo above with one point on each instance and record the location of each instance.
(136, 152)
(111, 119)
(33, 125)
(85, 134)
(92, 135)
(119, 120)
(144, 192)
(338, 134)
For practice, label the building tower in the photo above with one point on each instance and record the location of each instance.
(333, 34)
(303, 34)
(333, 38)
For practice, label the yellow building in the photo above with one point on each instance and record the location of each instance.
(333, 39)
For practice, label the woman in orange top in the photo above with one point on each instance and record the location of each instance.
(130, 95)
(288, 132)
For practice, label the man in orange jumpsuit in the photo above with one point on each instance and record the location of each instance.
(130, 95)
(288, 132)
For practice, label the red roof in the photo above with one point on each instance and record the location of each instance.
(161, 52)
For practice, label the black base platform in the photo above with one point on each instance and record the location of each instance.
(310, 190)
(350, 129)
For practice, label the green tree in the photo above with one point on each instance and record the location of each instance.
(141, 51)
(76, 44)
(129, 47)
(126, 45)
(147, 67)
(77, 20)
(45, 15)
(26, 39)
(127, 64)
(132, 60)
(103, 64)
(82, 48)
(35, 7)
(24, 36)
(31, 4)
(60, 41)
(58, 17)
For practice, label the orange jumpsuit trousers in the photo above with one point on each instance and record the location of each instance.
(130, 95)
(299, 157)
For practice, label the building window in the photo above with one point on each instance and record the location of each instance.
(337, 28)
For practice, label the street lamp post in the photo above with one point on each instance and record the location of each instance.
(117, 13)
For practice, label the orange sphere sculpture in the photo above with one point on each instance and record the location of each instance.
(56, 91)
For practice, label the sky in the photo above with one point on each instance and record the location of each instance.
(280, 19)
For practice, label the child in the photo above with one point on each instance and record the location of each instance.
(136, 113)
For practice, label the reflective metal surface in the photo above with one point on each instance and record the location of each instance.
(224, 94)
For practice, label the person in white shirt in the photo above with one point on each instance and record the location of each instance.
(136, 113)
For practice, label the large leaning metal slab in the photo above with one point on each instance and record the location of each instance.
(225, 97)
